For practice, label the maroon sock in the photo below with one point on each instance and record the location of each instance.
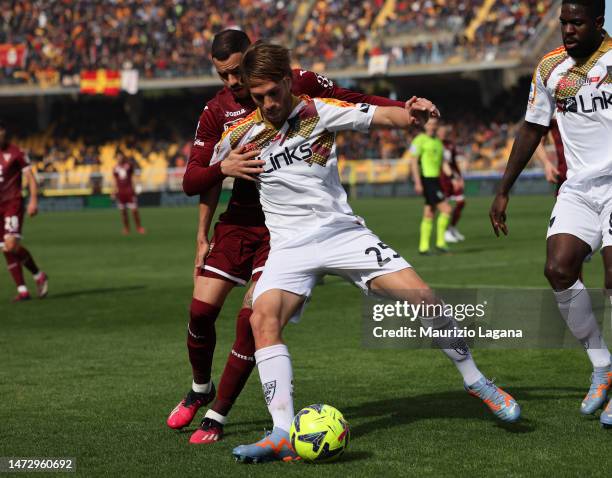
(125, 220)
(201, 339)
(457, 212)
(240, 363)
(25, 258)
(136, 216)
(14, 268)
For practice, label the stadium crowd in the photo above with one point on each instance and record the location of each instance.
(75, 148)
(162, 38)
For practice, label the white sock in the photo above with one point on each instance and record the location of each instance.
(216, 416)
(22, 289)
(455, 349)
(38, 275)
(576, 309)
(276, 375)
(201, 387)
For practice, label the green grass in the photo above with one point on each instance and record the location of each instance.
(93, 370)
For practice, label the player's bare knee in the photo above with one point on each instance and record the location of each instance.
(11, 244)
(265, 326)
(428, 212)
(560, 276)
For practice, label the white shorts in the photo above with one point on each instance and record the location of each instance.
(352, 251)
(581, 216)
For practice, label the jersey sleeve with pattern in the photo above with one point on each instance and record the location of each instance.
(338, 115)
(540, 107)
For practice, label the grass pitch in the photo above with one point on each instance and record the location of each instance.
(93, 370)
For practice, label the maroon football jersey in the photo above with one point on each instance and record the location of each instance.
(123, 173)
(561, 164)
(13, 161)
(223, 111)
(450, 156)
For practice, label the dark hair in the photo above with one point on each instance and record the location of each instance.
(228, 42)
(265, 61)
(596, 7)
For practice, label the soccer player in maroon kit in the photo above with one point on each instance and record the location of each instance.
(451, 183)
(14, 164)
(124, 193)
(239, 247)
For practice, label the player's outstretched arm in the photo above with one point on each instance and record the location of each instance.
(391, 117)
(525, 143)
(33, 188)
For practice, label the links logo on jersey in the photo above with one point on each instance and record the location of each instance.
(269, 388)
(592, 104)
(300, 153)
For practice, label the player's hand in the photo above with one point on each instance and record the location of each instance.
(551, 173)
(32, 208)
(420, 110)
(418, 187)
(497, 214)
(457, 183)
(241, 163)
(202, 247)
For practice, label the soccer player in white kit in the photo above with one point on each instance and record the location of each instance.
(314, 232)
(576, 81)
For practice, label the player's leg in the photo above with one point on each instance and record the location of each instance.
(42, 282)
(606, 416)
(459, 199)
(238, 368)
(10, 248)
(208, 297)
(574, 231)
(426, 230)
(125, 221)
(444, 213)
(133, 206)
(271, 312)
(241, 360)
(228, 263)
(406, 285)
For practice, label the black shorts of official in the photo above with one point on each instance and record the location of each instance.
(432, 191)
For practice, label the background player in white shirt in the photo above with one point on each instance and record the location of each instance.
(314, 232)
(576, 80)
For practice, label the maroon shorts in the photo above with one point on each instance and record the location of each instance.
(11, 215)
(237, 253)
(450, 192)
(126, 199)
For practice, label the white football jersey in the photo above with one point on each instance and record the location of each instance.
(300, 190)
(581, 94)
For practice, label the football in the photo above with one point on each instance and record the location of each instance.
(319, 433)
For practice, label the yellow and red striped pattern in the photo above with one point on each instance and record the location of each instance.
(100, 82)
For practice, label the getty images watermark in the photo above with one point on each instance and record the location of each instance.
(483, 318)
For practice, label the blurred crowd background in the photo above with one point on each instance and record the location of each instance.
(171, 39)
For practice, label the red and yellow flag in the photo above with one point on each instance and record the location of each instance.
(100, 82)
